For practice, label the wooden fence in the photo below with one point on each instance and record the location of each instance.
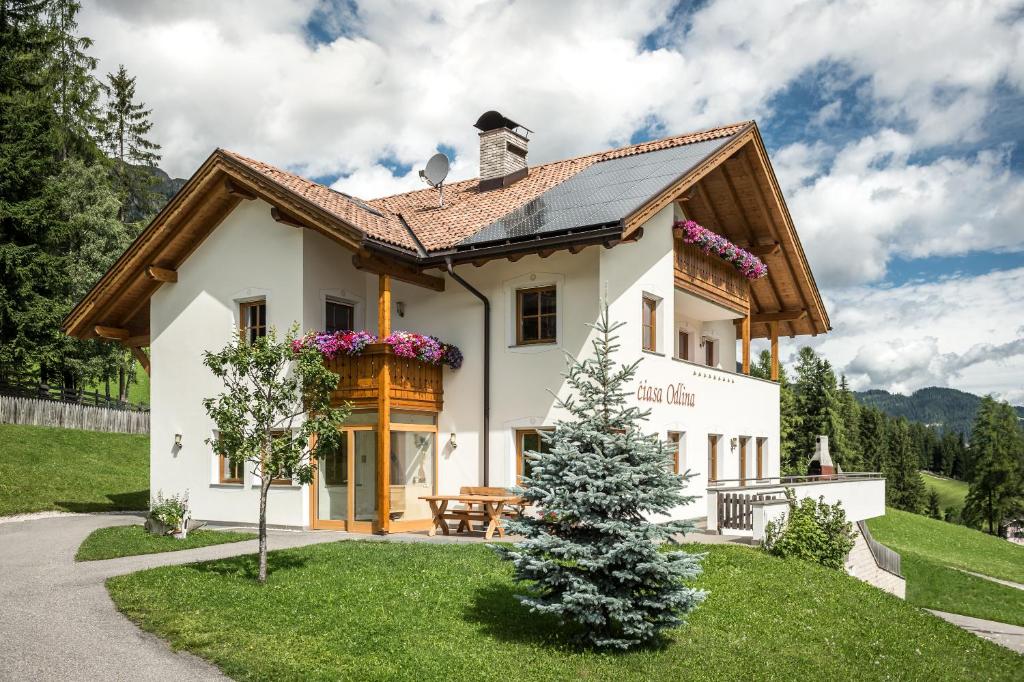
(21, 410)
(735, 511)
(31, 389)
(887, 559)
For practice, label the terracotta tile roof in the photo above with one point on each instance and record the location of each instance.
(351, 210)
(466, 210)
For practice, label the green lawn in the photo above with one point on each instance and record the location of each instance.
(118, 541)
(952, 493)
(388, 610)
(932, 551)
(63, 469)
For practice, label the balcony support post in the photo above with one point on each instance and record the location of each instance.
(384, 408)
(774, 329)
(746, 342)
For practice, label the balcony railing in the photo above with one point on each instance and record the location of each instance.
(710, 277)
(412, 383)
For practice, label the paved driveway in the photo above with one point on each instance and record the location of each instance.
(57, 621)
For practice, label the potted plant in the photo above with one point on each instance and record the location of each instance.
(169, 515)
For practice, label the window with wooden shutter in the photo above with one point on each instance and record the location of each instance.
(684, 345)
(338, 316)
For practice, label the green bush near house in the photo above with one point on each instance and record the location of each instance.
(43, 469)
(812, 531)
(118, 541)
(389, 610)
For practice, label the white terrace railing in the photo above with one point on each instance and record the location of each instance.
(744, 507)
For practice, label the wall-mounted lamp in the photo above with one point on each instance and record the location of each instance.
(451, 441)
(400, 308)
(732, 443)
(177, 440)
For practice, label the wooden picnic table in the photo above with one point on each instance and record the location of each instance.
(478, 508)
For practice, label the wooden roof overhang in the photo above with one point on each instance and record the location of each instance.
(115, 308)
(735, 193)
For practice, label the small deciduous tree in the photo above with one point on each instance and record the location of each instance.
(275, 415)
(592, 556)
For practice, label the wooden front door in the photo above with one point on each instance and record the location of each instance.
(743, 460)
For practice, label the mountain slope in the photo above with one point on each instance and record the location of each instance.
(945, 408)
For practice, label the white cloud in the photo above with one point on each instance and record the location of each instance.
(965, 332)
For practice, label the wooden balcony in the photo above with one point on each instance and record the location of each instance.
(711, 278)
(412, 384)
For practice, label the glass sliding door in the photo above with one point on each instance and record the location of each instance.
(345, 483)
(365, 476)
(332, 484)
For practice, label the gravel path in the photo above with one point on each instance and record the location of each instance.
(58, 622)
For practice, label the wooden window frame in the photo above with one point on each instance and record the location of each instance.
(714, 444)
(243, 319)
(650, 304)
(222, 464)
(278, 481)
(520, 460)
(684, 345)
(330, 300)
(520, 341)
(760, 447)
(709, 347)
(744, 453)
(676, 438)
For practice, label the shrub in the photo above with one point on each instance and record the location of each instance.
(813, 531)
(170, 511)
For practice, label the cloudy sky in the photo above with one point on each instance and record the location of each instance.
(896, 128)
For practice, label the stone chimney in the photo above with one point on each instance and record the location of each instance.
(503, 147)
(821, 463)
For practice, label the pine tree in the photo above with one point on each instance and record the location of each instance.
(791, 460)
(874, 437)
(997, 478)
(852, 456)
(933, 505)
(592, 556)
(125, 127)
(904, 485)
(75, 90)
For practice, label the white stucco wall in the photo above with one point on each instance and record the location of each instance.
(248, 255)
(251, 255)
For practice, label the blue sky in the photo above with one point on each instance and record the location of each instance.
(895, 129)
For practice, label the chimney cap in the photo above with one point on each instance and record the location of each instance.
(492, 120)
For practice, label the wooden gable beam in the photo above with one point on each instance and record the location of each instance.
(234, 187)
(159, 274)
(141, 356)
(781, 316)
(285, 218)
(112, 333)
(370, 263)
(761, 250)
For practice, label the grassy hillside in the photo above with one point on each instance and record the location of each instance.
(138, 392)
(332, 611)
(932, 552)
(952, 493)
(62, 469)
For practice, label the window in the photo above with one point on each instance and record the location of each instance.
(709, 352)
(535, 316)
(684, 345)
(334, 466)
(338, 316)
(231, 472)
(762, 452)
(677, 439)
(650, 324)
(252, 320)
(713, 440)
(529, 440)
(281, 477)
(744, 447)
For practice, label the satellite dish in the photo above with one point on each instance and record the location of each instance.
(436, 170)
(435, 173)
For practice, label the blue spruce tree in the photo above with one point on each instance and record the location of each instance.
(591, 556)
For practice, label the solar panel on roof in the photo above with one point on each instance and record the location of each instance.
(601, 194)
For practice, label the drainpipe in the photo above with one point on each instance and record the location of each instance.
(487, 365)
